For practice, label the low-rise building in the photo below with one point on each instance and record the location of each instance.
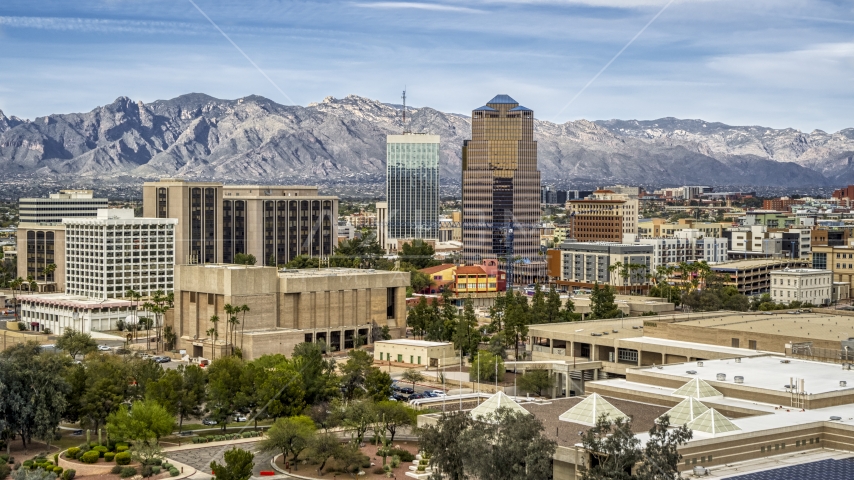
(580, 265)
(807, 285)
(753, 277)
(416, 352)
(837, 259)
(337, 307)
(61, 311)
(687, 246)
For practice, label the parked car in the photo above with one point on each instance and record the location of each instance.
(162, 359)
(77, 432)
(240, 418)
(398, 397)
(103, 348)
(415, 396)
(406, 391)
(209, 422)
(438, 393)
(187, 433)
(429, 395)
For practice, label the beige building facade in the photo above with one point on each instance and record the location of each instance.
(40, 245)
(334, 306)
(416, 352)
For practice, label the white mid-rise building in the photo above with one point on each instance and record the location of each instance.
(687, 245)
(114, 252)
(803, 284)
(65, 204)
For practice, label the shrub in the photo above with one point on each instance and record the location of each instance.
(167, 465)
(84, 447)
(94, 444)
(378, 471)
(405, 455)
(121, 446)
(90, 457)
(109, 456)
(101, 450)
(155, 470)
(395, 461)
(17, 466)
(116, 470)
(4, 458)
(57, 470)
(127, 472)
(56, 459)
(69, 474)
(155, 461)
(122, 458)
(28, 463)
(146, 471)
(173, 472)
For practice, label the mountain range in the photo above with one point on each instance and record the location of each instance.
(255, 139)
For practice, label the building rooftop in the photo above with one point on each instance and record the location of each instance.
(437, 268)
(801, 271)
(819, 326)
(765, 373)
(502, 99)
(73, 301)
(414, 343)
(747, 264)
(470, 270)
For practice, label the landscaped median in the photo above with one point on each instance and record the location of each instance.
(95, 459)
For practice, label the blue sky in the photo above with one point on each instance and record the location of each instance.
(776, 63)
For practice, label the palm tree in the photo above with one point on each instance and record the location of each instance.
(135, 297)
(243, 309)
(615, 267)
(16, 284)
(214, 333)
(231, 323)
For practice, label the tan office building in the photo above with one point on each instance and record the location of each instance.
(216, 222)
(501, 187)
(40, 245)
(604, 217)
(287, 307)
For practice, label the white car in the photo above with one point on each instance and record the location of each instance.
(240, 418)
(438, 393)
(103, 348)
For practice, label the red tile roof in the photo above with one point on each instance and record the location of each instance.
(470, 270)
(437, 268)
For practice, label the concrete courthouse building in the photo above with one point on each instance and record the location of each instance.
(287, 307)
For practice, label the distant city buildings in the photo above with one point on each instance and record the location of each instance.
(65, 204)
(581, 265)
(604, 216)
(217, 222)
(501, 189)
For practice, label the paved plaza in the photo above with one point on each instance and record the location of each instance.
(201, 458)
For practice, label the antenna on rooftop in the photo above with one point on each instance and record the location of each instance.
(405, 129)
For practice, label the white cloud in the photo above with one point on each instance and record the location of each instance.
(438, 7)
(95, 25)
(827, 65)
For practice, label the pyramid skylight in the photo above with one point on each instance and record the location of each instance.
(591, 408)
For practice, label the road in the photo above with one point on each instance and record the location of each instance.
(201, 458)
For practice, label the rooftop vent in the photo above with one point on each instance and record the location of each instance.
(738, 379)
(691, 372)
(594, 334)
(635, 327)
(785, 361)
(699, 364)
(738, 360)
(721, 377)
(614, 330)
(835, 418)
(843, 383)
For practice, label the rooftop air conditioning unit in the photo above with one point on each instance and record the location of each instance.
(843, 383)
(691, 372)
(699, 364)
(738, 379)
(721, 377)
(738, 360)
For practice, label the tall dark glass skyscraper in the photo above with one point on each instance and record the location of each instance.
(501, 188)
(412, 191)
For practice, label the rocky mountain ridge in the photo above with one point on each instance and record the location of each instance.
(256, 139)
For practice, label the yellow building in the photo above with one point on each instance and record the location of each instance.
(661, 228)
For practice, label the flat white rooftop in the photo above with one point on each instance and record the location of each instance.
(769, 373)
(693, 345)
(413, 343)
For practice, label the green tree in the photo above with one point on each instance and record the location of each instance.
(448, 316)
(602, 303)
(226, 379)
(105, 386)
(535, 381)
(245, 259)
(442, 442)
(552, 308)
(416, 319)
(290, 435)
(485, 366)
(359, 415)
(33, 393)
(238, 465)
(538, 306)
(567, 314)
(377, 384)
(419, 281)
(353, 373)
(319, 380)
(412, 376)
(181, 391)
(418, 253)
(434, 326)
(145, 423)
(385, 333)
(517, 448)
(323, 447)
(467, 334)
(517, 318)
(74, 343)
(279, 388)
(393, 415)
(303, 261)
